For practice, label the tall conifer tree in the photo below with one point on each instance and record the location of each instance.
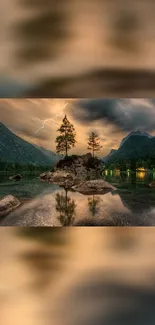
(94, 143)
(67, 138)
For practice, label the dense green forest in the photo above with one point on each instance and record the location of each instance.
(132, 164)
(5, 166)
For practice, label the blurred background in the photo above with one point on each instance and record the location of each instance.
(77, 276)
(77, 48)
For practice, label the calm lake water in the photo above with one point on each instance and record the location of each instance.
(46, 204)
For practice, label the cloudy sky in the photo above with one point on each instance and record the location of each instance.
(111, 119)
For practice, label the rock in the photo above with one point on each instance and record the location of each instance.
(87, 157)
(17, 177)
(80, 164)
(46, 175)
(97, 186)
(8, 204)
(71, 168)
(152, 185)
(59, 177)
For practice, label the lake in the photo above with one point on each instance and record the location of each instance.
(45, 204)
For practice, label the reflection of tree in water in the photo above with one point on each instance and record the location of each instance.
(66, 206)
(133, 178)
(46, 254)
(93, 204)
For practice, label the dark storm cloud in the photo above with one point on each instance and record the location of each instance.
(126, 114)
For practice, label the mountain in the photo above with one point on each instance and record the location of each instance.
(106, 158)
(139, 145)
(50, 154)
(13, 149)
(136, 133)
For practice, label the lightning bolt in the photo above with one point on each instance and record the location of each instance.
(50, 119)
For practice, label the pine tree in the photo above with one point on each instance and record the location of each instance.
(66, 140)
(94, 143)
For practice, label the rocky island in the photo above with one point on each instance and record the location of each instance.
(73, 173)
(72, 170)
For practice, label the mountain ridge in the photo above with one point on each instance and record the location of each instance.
(14, 149)
(138, 133)
(136, 144)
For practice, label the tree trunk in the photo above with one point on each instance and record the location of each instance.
(93, 151)
(66, 145)
(66, 150)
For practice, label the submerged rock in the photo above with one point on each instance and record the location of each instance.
(17, 177)
(7, 204)
(97, 186)
(59, 177)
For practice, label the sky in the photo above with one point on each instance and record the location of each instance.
(111, 119)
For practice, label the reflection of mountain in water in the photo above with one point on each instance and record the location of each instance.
(66, 206)
(137, 201)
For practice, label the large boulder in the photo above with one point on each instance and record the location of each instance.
(97, 186)
(7, 204)
(17, 177)
(59, 177)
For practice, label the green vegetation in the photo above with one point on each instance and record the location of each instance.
(132, 164)
(94, 143)
(7, 167)
(67, 138)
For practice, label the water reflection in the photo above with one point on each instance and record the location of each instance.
(93, 204)
(118, 172)
(141, 174)
(133, 204)
(66, 206)
(133, 178)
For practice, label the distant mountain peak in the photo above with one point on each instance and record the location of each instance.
(136, 144)
(136, 133)
(109, 155)
(2, 125)
(112, 151)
